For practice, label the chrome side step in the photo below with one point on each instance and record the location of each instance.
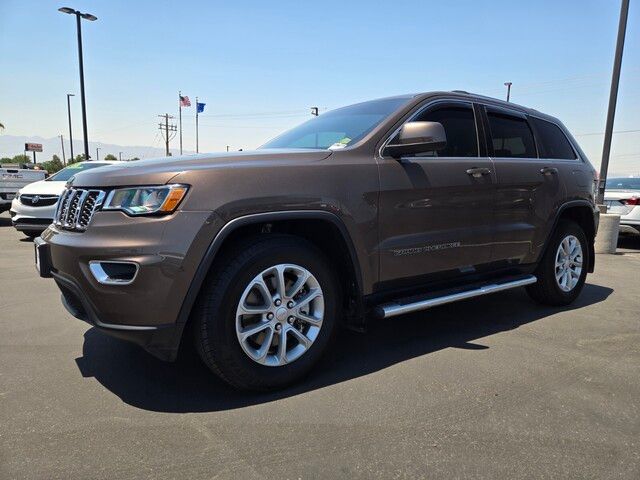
(400, 308)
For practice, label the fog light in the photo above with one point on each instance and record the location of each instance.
(113, 272)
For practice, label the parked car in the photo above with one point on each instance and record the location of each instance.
(622, 196)
(12, 179)
(369, 211)
(33, 207)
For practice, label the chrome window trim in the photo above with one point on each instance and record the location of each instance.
(431, 103)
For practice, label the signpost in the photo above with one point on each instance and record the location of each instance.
(33, 147)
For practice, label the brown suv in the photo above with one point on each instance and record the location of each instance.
(368, 211)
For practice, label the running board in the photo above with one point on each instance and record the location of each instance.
(416, 304)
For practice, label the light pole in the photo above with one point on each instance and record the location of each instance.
(69, 95)
(97, 153)
(613, 99)
(92, 18)
(508, 85)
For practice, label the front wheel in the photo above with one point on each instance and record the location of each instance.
(563, 268)
(265, 319)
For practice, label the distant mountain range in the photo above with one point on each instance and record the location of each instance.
(11, 146)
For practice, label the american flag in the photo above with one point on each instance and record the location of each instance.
(184, 101)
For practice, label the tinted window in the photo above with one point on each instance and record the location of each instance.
(511, 136)
(631, 183)
(459, 126)
(338, 128)
(552, 142)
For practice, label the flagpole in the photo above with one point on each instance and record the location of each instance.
(197, 150)
(180, 116)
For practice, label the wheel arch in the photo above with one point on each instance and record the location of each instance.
(333, 230)
(583, 213)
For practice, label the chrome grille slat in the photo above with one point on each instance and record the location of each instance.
(76, 208)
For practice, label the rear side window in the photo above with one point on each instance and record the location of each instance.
(460, 127)
(552, 141)
(511, 136)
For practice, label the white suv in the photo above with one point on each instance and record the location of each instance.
(33, 207)
(622, 196)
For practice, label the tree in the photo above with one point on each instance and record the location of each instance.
(53, 165)
(79, 158)
(110, 157)
(1, 126)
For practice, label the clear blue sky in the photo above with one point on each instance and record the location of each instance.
(260, 65)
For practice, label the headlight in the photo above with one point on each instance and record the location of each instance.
(146, 200)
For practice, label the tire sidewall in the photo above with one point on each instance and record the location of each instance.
(565, 229)
(221, 327)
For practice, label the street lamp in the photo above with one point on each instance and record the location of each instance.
(69, 95)
(86, 16)
(508, 85)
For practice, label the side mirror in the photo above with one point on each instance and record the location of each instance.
(417, 137)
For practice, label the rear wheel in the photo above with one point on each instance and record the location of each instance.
(563, 268)
(265, 319)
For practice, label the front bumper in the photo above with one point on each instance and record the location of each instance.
(167, 250)
(26, 218)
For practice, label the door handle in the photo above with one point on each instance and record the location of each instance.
(548, 171)
(478, 172)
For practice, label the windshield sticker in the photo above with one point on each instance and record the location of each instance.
(341, 144)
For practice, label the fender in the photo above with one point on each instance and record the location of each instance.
(229, 227)
(562, 208)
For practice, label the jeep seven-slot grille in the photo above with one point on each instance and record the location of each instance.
(76, 208)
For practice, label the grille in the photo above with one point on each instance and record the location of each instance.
(76, 208)
(33, 200)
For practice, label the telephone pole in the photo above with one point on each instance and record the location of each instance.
(168, 131)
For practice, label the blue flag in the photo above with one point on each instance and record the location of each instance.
(200, 107)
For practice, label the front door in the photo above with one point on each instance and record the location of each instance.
(436, 209)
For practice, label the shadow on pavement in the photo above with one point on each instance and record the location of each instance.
(631, 242)
(187, 385)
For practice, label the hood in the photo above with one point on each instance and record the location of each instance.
(162, 170)
(43, 187)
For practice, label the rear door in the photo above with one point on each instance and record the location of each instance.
(528, 187)
(436, 209)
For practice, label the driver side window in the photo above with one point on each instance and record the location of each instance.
(459, 126)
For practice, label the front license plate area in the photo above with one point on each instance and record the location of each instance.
(42, 258)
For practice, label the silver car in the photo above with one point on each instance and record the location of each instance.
(622, 196)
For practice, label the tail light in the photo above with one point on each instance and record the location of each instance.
(631, 201)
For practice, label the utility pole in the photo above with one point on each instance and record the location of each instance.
(120, 156)
(314, 111)
(70, 131)
(97, 153)
(613, 99)
(64, 160)
(508, 85)
(168, 131)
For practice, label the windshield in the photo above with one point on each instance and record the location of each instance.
(338, 128)
(68, 172)
(623, 183)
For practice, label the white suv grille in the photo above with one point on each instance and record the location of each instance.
(76, 208)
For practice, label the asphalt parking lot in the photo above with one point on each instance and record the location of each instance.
(496, 387)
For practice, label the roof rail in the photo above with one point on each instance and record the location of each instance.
(460, 91)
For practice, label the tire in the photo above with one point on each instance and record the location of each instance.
(219, 325)
(548, 290)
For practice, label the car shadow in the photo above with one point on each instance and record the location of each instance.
(630, 242)
(187, 385)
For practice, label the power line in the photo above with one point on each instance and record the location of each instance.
(602, 133)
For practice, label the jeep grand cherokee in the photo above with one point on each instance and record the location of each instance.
(373, 210)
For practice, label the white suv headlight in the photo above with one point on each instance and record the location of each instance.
(146, 200)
